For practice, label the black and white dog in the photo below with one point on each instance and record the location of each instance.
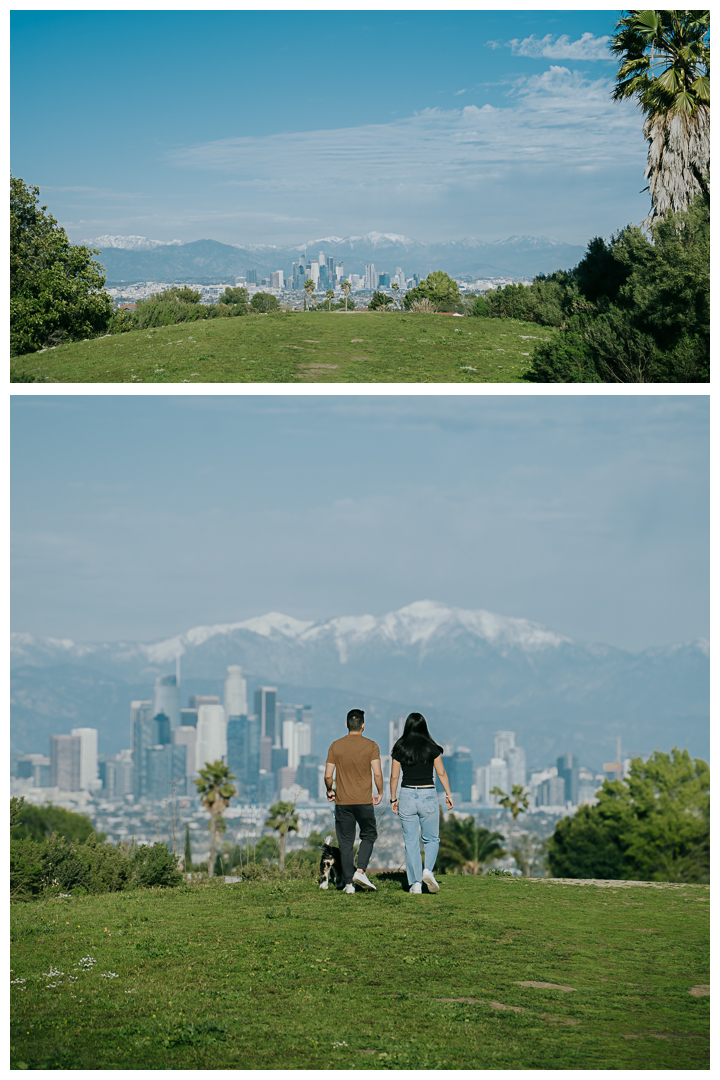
(330, 867)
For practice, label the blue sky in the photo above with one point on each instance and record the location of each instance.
(286, 126)
(138, 517)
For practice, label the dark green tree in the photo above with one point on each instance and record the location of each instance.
(235, 298)
(380, 301)
(440, 289)
(652, 826)
(40, 822)
(263, 302)
(56, 289)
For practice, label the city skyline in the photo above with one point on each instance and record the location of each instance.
(437, 125)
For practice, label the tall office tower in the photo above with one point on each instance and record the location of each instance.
(187, 737)
(395, 730)
(118, 775)
(65, 751)
(211, 737)
(567, 767)
(188, 718)
(289, 738)
(371, 277)
(315, 272)
(321, 259)
(143, 734)
(399, 278)
(163, 731)
(460, 773)
(504, 740)
(203, 699)
(166, 699)
(305, 716)
(303, 739)
(330, 262)
(266, 711)
(497, 776)
(285, 781)
(278, 758)
(251, 276)
(243, 753)
(235, 697)
(307, 775)
(277, 279)
(517, 769)
(339, 272)
(88, 757)
(166, 767)
(265, 754)
(34, 767)
(551, 792)
(298, 276)
(383, 280)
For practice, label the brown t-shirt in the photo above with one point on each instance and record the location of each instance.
(351, 757)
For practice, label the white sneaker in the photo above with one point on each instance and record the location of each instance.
(349, 889)
(416, 888)
(360, 879)
(429, 879)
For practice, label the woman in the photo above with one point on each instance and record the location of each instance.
(416, 753)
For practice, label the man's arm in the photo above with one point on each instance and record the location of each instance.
(377, 773)
(329, 770)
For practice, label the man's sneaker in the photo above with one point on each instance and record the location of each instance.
(349, 888)
(416, 888)
(360, 879)
(429, 879)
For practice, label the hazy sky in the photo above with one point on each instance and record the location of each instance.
(286, 126)
(140, 517)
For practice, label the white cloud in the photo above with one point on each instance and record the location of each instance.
(587, 47)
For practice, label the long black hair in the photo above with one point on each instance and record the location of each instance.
(416, 745)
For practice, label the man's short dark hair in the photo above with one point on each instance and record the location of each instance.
(355, 719)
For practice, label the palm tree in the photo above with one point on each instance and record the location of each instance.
(465, 846)
(517, 803)
(308, 286)
(665, 63)
(395, 286)
(283, 820)
(346, 287)
(329, 296)
(215, 791)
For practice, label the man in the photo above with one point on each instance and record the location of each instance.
(355, 760)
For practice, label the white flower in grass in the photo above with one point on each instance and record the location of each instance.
(337, 1045)
(109, 975)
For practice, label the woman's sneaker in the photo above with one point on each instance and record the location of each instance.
(349, 889)
(429, 879)
(416, 888)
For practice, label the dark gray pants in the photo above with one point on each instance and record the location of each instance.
(346, 818)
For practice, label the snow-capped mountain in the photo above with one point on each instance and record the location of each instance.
(472, 671)
(130, 243)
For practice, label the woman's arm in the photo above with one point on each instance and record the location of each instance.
(443, 778)
(394, 777)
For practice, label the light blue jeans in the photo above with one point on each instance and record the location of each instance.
(419, 812)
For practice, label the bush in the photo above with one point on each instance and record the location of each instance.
(40, 822)
(380, 301)
(155, 865)
(422, 307)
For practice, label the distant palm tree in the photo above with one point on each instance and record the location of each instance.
(516, 802)
(665, 63)
(215, 792)
(308, 286)
(346, 287)
(395, 287)
(329, 296)
(466, 846)
(283, 820)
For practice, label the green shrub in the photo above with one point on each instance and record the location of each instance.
(263, 302)
(155, 864)
(40, 822)
(440, 289)
(26, 869)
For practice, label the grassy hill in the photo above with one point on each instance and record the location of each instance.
(299, 347)
(282, 976)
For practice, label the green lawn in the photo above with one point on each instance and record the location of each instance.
(298, 348)
(283, 976)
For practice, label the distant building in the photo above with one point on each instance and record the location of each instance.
(494, 774)
(460, 773)
(309, 773)
(504, 741)
(211, 744)
(395, 730)
(383, 281)
(551, 792)
(188, 717)
(117, 775)
(251, 277)
(186, 735)
(277, 280)
(235, 697)
(517, 769)
(243, 753)
(567, 767)
(143, 735)
(266, 711)
(65, 755)
(89, 780)
(371, 277)
(34, 767)
(166, 699)
(166, 767)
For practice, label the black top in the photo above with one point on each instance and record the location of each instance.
(418, 775)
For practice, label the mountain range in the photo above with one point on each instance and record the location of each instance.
(469, 672)
(137, 258)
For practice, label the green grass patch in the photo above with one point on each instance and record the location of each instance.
(299, 347)
(284, 976)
